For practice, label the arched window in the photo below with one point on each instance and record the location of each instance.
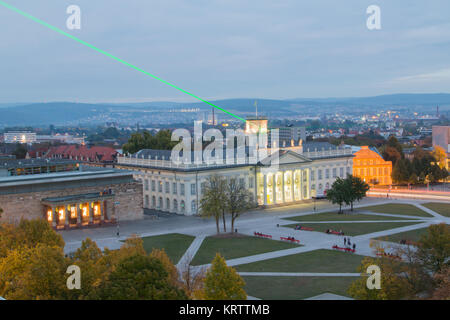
(175, 205)
(168, 204)
(160, 204)
(153, 202)
(182, 206)
(193, 206)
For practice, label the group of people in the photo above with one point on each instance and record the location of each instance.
(348, 244)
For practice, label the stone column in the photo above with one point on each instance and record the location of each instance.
(66, 216)
(78, 212)
(292, 186)
(300, 184)
(265, 189)
(102, 211)
(283, 197)
(53, 217)
(91, 213)
(274, 187)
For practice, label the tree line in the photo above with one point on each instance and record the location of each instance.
(33, 266)
(347, 191)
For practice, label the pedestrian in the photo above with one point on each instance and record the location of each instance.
(354, 247)
(118, 232)
(348, 241)
(345, 241)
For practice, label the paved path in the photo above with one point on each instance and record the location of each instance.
(264, 221)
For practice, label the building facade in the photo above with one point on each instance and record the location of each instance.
(371, 167)
(19, 137)
(441, 138)
(84, 198)
(302, 172)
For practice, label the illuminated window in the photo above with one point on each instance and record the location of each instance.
(49, 216)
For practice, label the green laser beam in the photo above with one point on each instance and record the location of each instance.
(45, 24)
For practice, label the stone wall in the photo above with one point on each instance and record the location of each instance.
(127, 203)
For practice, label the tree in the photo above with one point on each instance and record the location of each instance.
(401, 172)
(139, 277)
(223, 282)
(338, 193)
(442, 280)
(34, 273)
(440, 156)
(355, 188)
(238, 200)
(434, 248)
(393, 285)
(212, 203)
(145, 140)
(391, 154)
(21, 151)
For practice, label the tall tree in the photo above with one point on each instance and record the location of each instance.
(434, 248)
(223, 282)
(338, 193)
(238, 200)
(145, 140)
(212, 203)
(355, 188)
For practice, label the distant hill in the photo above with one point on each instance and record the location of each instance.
(67, 113)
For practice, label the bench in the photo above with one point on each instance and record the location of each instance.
(304, 228)
(290, 239)
(387, 255)
(259, 234)
(343, 249)
(334, 232)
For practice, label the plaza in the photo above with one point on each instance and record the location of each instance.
(273, 268)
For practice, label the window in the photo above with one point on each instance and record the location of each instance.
(334, 173)
(193, 206)
(168, 204)
(341, 172)
(182, 205)
(193, 189)
(167, 187)
(202, 187)
(182, 189)
(313, 173)
(147, 201)
(319, 173)
(160, 186)
(160, 203)
(313, 187)
(250, 182)
(146, 184)
(153, 185)
(174, 188)
(175, 205)
(327, 173)
(242, 182)
(153, 202)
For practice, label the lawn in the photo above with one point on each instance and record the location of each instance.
(236, 247)
(295, 288)
(175, 244)
(353, 229)
(334, 216)
(396, 208)
(441, 208)
(413, 235)
(321, 260)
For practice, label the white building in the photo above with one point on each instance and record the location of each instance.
(303, 171)
(19, 137)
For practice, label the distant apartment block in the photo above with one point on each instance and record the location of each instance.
(288, 134)
(19, 137)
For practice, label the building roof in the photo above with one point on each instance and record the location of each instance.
(311, 146)
(26, 163)
(367, 153)
(95, 153)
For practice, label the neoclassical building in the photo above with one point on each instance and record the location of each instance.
(302, 172)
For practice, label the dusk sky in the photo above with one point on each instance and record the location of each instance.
(218, 49)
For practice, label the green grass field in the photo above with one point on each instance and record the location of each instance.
(295, 288)
(236, 247)
(397, 208)
(175, 244)
(413, 235)
(334, 216)
(353, 229)
(441, 208)
(322, 260)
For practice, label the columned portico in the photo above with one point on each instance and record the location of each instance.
(79, 210)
